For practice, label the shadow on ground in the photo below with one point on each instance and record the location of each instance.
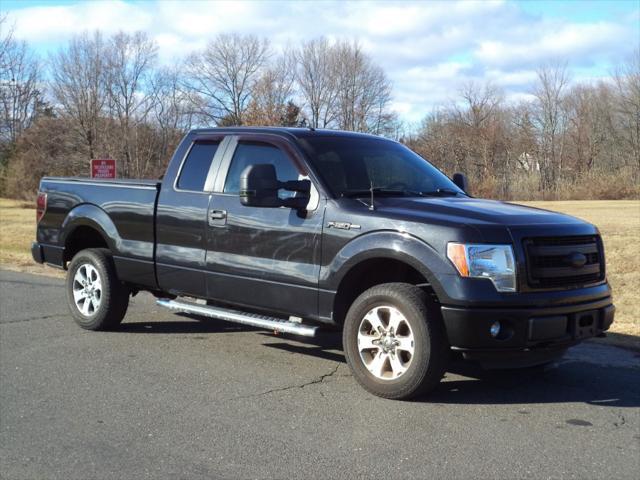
(570, 380)
(468, 383)
(191, 324)
(623, 340)
(564, 381)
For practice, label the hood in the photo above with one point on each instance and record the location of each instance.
(471, 211)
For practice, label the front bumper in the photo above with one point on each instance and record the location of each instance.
(528, 336)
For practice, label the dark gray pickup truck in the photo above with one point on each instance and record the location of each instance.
(293, 229)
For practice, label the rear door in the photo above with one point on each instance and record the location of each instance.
(267, 258)
(181, 219)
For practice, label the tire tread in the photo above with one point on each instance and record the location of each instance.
(429, 374)
(115, 296)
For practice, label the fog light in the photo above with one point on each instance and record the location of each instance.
(495, 329)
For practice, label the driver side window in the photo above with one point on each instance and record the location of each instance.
(248, 153)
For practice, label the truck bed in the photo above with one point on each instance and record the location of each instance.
(122, 210)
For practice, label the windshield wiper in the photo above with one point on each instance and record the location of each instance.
(377, 191)
(441, 192)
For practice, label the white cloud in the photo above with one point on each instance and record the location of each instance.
(53, 23)
(427, 48)
(552, 41)
(516, 78)
(518, 97)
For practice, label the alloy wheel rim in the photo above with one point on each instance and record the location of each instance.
(385, 342)
(87, 289)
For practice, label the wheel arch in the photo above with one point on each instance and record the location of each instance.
(383, 257)
(88, 226)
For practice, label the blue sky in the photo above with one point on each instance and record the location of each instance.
(428, 48)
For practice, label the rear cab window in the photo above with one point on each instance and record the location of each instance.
(195, 168)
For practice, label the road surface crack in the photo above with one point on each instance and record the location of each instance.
(42, 317)
(315, 381)
(31, 284)
(621, 421)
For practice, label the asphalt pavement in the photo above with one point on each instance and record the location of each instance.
(168, 396)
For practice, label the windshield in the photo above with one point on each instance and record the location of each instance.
(350, 166)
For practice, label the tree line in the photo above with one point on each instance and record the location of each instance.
(575, 140)
(109, 97)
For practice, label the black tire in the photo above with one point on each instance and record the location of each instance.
(113, 298)
(431, 349)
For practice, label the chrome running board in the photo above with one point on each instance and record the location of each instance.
(236, 316)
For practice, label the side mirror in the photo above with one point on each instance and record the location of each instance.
(259, 187)
(460, 179)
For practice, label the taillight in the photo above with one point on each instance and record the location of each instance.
(41, 205)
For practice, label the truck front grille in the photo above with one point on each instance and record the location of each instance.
(557, 262)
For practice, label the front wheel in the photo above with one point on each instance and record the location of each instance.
(96, 297)
(395, 343)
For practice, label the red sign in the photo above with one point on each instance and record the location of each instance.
(103, 168)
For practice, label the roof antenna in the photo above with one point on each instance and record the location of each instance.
(372, 206)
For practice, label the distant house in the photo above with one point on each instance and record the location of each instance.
(528, 163)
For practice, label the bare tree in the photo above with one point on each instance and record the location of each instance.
(317, 81)
(6, 36)
(523, 137)
(481, 128)
(6, 42)
(111, 98)
(130, 60)
(172, 111)
(438, 140)
(550, 121)
(362, 88)
(20, 89)
(221, 77)
(480, 103)
(271, 95)
(589, 126)
(627, 107)
(171, 105)
(78, 85)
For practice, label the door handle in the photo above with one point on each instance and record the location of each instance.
(218, 214)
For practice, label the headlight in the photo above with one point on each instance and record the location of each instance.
(495, 262)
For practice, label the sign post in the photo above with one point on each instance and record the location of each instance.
(103, 168)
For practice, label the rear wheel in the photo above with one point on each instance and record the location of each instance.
(96, 297)
(395, 342)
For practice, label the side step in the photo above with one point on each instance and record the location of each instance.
(236, 316)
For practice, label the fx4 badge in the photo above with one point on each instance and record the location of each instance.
(343, 226)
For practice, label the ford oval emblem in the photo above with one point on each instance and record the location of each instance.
(576, 259)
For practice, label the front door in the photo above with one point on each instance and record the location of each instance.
(181, 218)
(263, 257)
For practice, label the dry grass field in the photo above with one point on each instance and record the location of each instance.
(17, 231)
(618, 221)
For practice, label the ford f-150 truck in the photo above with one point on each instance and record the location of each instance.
(293, 229)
